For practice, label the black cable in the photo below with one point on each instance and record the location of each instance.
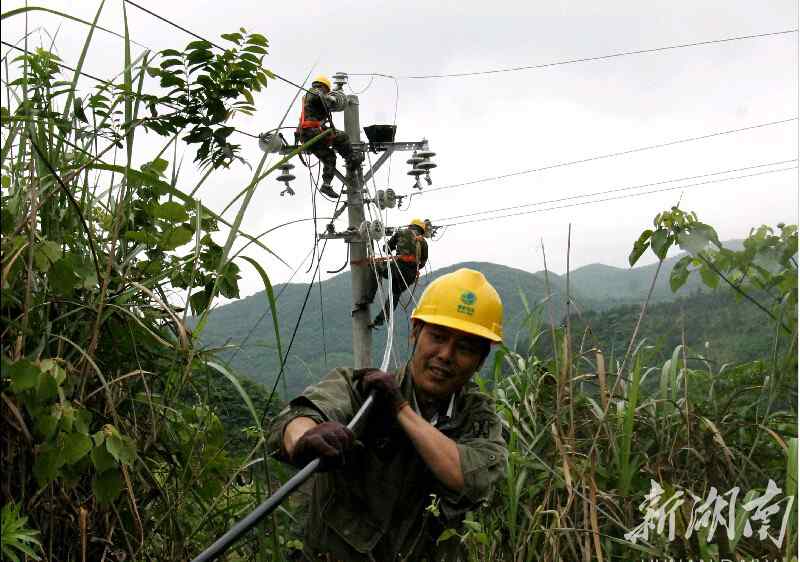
(621, 197)
(267, 311)
(313, 186)
(62, 65)
(588, 59)
(322, 320)
(603, 156)
(606, 192)
(294, 334)
(109, 82)
(173, 24)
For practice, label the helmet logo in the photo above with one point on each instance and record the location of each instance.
(468, 299)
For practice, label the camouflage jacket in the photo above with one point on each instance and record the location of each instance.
(406, 242)
(374, 508)
(314, 105)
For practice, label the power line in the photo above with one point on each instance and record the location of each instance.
(621, 197)
(602, 156)
(616, 190)
(193, 34)
(587, 59)
(62, 65)
(105, 82)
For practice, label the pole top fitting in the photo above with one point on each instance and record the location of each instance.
(339, 80)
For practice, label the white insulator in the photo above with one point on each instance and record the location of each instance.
(339, 100)
(376, 230)
(380, 196)
(390, 198)
(270, 143)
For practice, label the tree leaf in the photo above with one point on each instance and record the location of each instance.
(46, 465)
(62, 278)
(175, 237)
(102, 459)
(172, 211)
(24, 375)
(107, 486)
(708, 276)
(692, 241)
(121, 447)
(199, 302)
(639, 247)
(680, 273)
(75, 447)
(660, 242)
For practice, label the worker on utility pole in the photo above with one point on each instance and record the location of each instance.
(318, 103)
(432, 445)
(410, 256)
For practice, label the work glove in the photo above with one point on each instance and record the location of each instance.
(329, 441)
(385, 385)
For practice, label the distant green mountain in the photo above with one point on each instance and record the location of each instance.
(324, 334)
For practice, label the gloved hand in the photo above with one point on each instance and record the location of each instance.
(385, 386)
(329, 440)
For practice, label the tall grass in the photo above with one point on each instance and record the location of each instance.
(581, 464)
(111, 447)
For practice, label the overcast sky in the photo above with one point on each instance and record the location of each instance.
(496, 124)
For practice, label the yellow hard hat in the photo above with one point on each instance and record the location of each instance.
(463, 300)
(322, 79)
(418, 222)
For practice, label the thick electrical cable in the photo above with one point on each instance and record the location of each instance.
(390, 316)
(616, 190)
(605, 156)
(628, 196)
(322, 320)
(589, 59)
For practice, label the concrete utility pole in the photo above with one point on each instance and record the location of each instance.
(359, 268)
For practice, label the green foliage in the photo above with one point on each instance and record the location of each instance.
(18, 540)
(206, 86)
(116, 450)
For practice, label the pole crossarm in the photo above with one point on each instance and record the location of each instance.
(378, 163)
(395, 146)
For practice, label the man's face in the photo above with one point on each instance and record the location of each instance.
(444, 359)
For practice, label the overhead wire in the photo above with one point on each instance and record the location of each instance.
(604, 156)
(586, 59)
(389, 317)
(483, 219)
(615, 190)
(195, 35)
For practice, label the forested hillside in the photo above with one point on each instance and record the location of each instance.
(607, 296)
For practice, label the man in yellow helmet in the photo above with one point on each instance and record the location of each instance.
(432, 445)
(410, 256)
(318, 104)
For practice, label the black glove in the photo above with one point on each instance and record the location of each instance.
(385, 386)
(329, 441)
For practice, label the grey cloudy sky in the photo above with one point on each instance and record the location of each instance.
(483, 126)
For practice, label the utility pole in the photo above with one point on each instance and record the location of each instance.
(359, 267)
(359, 231)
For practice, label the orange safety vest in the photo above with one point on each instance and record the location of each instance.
(308, 123)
